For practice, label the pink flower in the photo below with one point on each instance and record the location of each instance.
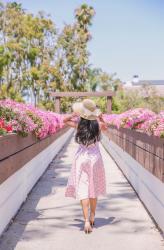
(143, 119)
(25, 118)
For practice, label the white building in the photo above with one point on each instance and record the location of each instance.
(158, 85)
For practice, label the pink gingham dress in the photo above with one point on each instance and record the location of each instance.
(87, 177)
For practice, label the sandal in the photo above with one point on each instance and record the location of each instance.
(87, 227)
(92, 219)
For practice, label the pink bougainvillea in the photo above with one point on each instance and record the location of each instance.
(154, 125)
(25, 118)
(5, 127)
(141, 119)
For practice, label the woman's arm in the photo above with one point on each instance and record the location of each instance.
(68, 120)
(104, 126)
(102, 123)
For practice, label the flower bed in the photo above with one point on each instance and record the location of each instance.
(23, 119)
(141, 159)
(23, 160)
(5, 127)
(140, 119)
(10, 144)
(146, 149)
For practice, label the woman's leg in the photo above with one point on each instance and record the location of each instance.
(93, 203)
(85, 207)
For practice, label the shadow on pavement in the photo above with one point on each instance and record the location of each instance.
(99, 222)
(28, 212)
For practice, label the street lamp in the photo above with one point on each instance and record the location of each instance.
(35, 95)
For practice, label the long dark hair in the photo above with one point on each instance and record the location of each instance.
(88, 132)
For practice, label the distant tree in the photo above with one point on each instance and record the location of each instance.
(145, 97)
(151, 98)
(35, 59)
(27, 45)
(72, 54)
(102, 81)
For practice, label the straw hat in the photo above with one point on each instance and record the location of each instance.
(86, 109)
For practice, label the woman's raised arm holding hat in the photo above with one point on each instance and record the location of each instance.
(103, 125)
(70, 120)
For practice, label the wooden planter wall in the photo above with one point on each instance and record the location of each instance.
(147, 150)
(20, 150)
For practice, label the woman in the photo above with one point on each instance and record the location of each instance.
(87, 178)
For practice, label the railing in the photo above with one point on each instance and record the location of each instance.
(23, 160)
(20, 150)
(141, 159)
(147, 150)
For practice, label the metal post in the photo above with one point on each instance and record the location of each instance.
(35, 96)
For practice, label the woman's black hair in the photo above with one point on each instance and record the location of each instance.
(88, 132)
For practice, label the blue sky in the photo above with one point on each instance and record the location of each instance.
(127, 35)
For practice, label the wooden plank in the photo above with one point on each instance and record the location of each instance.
(13, 163)
(147, 150)
(82, 94)
(109, 104)
(57, 104)
(12, 143)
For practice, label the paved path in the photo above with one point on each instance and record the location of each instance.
(48, 221)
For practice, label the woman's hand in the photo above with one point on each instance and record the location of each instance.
(101, 117)
(103, 126)
(70, 121)
(69, 117)
(74, 114)
(102, 123)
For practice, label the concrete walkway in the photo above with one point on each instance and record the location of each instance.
(49, 221)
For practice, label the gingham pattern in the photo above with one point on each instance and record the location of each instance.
(87, 177)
